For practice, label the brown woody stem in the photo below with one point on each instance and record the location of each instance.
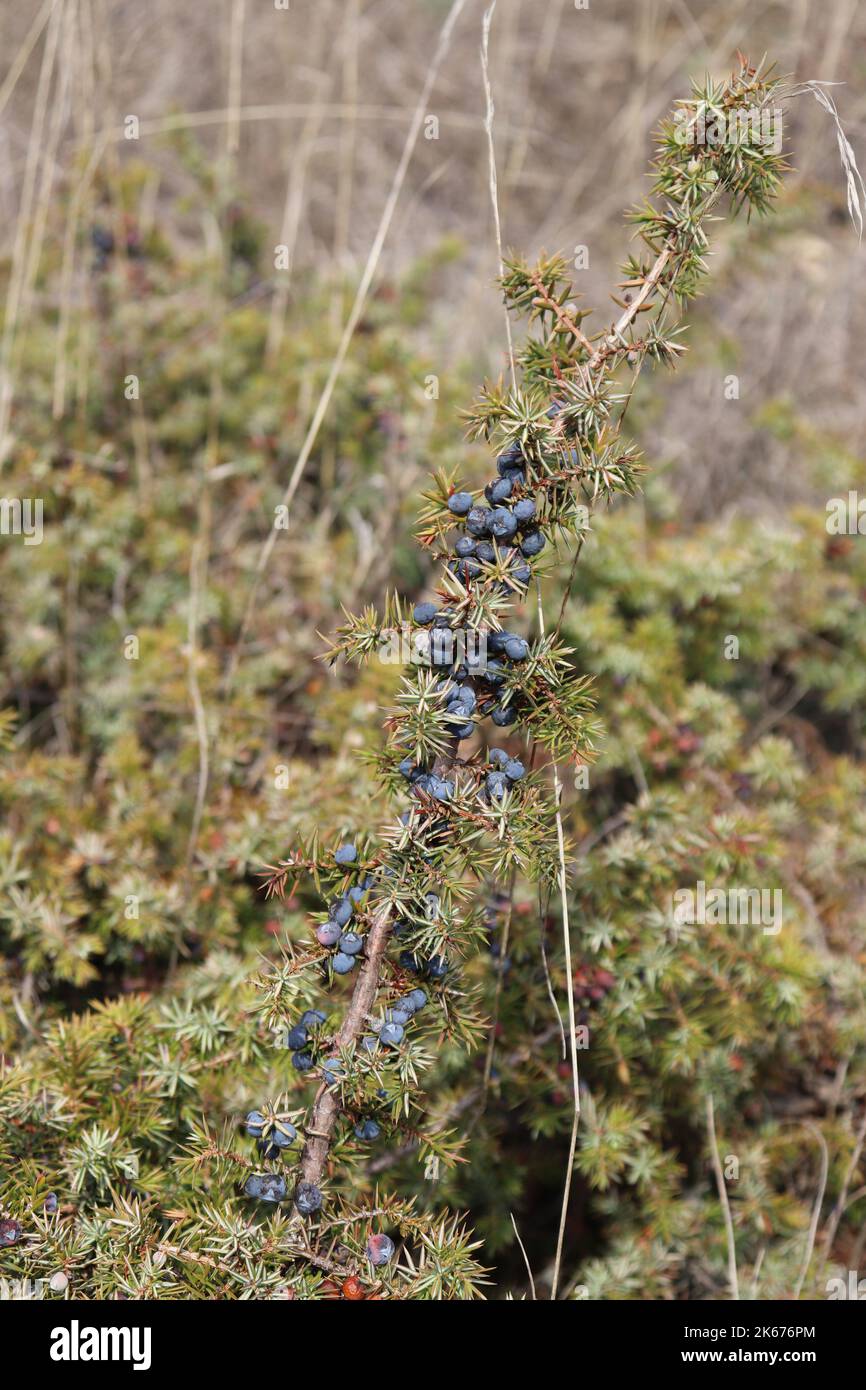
(326, 1106)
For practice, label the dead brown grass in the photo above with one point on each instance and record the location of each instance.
(324, 95)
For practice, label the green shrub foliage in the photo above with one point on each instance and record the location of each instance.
(286, 996)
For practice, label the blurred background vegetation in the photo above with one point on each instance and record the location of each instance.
(144, 785)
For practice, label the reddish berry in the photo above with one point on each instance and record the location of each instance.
(380, 1248)
(10, 1232)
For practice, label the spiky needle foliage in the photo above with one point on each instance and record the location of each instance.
(561, 451)
(109, 1176)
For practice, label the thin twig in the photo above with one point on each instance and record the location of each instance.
(756, 1273)
(816, 1209)
(20, 62)
(22, 226)
(561, 315)
(348, 333)
(500, 979)
(291, 222)
(524, 1254)
(615, 340)
(733, 1281)
(491, 156)
(838, 1209)
(548, 982)
(572, 1030)
(201, 729)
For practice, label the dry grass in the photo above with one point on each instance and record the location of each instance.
(319, 112)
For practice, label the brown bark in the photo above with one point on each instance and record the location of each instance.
(326, 1106)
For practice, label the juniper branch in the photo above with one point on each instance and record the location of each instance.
(326, 1106)
(559, 439)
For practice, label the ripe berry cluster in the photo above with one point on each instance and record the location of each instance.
(389, 1032)
(274, 1132)
(333, 933)
(498, 539)
(299, 1038)
(495, 547)
(503, 537)
(591, 984)
(473, 686)
(506, 771)
(487, 528)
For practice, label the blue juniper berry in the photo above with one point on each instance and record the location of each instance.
(340, 911)
(310, 1018)
(502, 524)
(308, 1198)
(496, 784)
(380, 1249)
(328, 934)
(532, 544)
(478, 521)
(398, 1014)
(267, 1187)
(460, 503)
